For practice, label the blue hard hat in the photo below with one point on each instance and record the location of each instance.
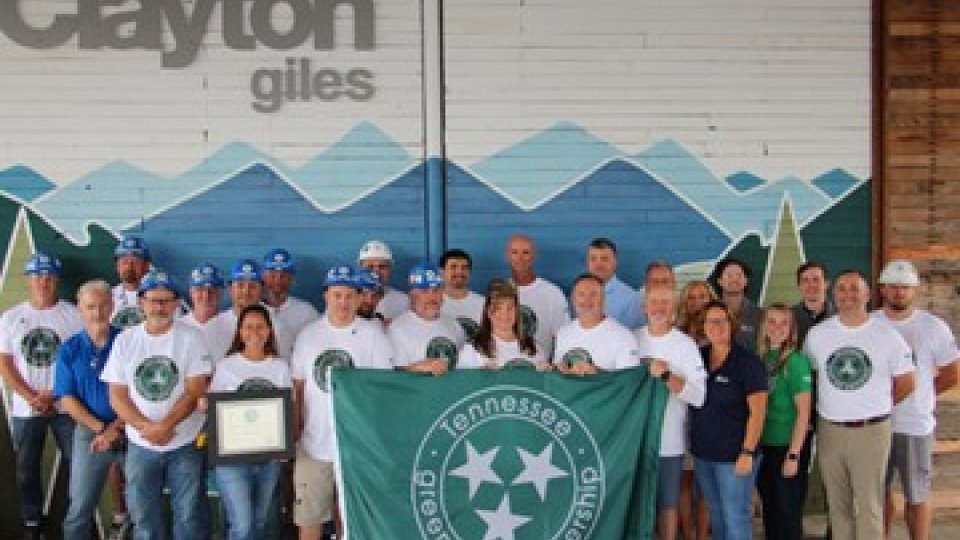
(132, 245)
(341, 275)
(245, 270)
(279, 259)
(368, 279)
(425, 275)
(206, 275)
(42, 264)
(156, 278)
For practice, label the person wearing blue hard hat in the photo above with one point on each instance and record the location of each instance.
(157, 371)
(424, 338)
(132, 260)
(371, 292)
(339, 339)
(279, 270)
(30, 334)
(206, 288)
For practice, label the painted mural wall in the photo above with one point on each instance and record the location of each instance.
(685, 130)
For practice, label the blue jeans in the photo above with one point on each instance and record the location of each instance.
(728, 498)
(148, 471)
(247, 492)
(29, 438)
(88, 474)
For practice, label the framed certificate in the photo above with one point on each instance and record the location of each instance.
(250, 427)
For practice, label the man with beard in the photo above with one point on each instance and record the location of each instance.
(30, 334)
(279, 270)
(157, 371)
(371, 292)
(425, 339)
(376, 256)
(459, 301)
(132, 260)
(936, 356)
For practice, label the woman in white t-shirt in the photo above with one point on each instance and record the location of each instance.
(501, 341)
(251, 365)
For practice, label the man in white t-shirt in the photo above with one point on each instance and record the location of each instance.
(863, 368)
(543, 308)
(246, 288)
(675, 360)
(459, 301)
(425, 339)
(279, 270)
(30, 334)
(339, 339)
(132, 259)
(156, 371)
(936, 356)
(376, 256)
(593, 341)
(206, 288)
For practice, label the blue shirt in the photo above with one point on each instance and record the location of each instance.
(623, 303)
(77, 370)
(718, 427)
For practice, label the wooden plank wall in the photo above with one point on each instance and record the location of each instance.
(919, 203)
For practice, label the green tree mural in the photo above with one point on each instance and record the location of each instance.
(785, 256)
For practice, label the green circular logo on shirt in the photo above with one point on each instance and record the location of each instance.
(577, 355)
(442, 347)
(156, 377)
(127, 317)
(470, 327)
(519, 363)
(255, 385)
(38, 347)
(528, 320)
(849, 368)
(336, 358)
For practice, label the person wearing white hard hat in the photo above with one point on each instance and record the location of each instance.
(376, 256)
(936, 356)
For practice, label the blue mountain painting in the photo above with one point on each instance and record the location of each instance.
(258, 209)
(620, 201)
(744, 181)
(835, 182)
(24, 183)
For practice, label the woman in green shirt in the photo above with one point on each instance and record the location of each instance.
(782, 479)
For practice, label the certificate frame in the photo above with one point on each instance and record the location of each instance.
(247, 427)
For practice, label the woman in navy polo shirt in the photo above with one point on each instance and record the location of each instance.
(725, 431)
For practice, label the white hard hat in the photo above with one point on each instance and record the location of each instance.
(375, 249)
(899, 272)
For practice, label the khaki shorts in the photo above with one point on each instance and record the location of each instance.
(313, 486)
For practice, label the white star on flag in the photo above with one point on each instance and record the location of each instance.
(477, 469)
(501, 522)
(538, 470)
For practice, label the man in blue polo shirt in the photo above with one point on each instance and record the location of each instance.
(98, 437)
(621, 300)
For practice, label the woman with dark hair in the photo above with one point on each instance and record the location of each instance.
(501, 340)
(725, 431)
(782, 480)
(251, 365)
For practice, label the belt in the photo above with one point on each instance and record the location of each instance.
(861, 423)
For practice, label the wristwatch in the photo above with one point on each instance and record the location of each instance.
(792, 456)
(748, 452)
(665, 376)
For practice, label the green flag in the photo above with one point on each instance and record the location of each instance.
(498, 455)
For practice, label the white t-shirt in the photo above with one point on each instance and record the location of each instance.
(295, 314)
(32, 337)
(392, 304)
(543, 306)
(683, 359)
(237, 373)
(224, 326)
(608, 345)
(934, 347)
(321, 345)
(126, 307)
(415, 339)
(155, 369)
(217, 341)
(468, 311)
(856, 367)
(504, 352)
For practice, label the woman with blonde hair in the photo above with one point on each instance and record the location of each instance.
(502, 340)
(693, 299)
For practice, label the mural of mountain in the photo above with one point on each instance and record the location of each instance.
(786, 254)
(835, 182)
(356, 164)
(81, 262)
(535, 168)
(24, 183)
(9, 210)
(210, 225)
(620, 201)
(744, 181)
(827, 238)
